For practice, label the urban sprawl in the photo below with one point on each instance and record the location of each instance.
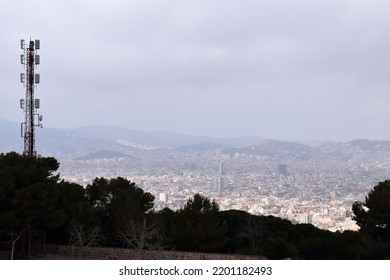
(318, 188)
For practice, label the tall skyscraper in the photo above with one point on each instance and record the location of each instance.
(218, 181)
(220, 171)
(281, 169)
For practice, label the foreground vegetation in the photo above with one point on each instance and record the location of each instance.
(115, 212)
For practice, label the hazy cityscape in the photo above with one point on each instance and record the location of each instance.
(303, 183)
(266, 68)
(279, 109)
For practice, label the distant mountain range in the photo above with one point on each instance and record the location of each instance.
(103, 154)
(94, 138)
(111, 141)
(10, 136)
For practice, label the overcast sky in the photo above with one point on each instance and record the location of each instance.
(289, 70)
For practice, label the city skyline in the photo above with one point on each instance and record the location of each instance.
(293, 71)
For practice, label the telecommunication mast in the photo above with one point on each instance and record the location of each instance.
(30, 59)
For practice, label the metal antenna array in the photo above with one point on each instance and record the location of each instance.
(30, 59)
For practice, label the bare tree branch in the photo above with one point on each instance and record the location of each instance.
(143, 235)
(14, 236)
(81, 238)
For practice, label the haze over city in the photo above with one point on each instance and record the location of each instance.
(289, 70)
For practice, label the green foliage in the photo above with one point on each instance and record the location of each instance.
(166, 219)
(73, 203)
(27, 192)
(18, 171)
(277, 248)
(243, 238)
(31, 194)
(118, 202)
(197, 226)
(373, 215)
(200, 205)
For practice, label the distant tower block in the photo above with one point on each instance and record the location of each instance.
(163, 197)
(281, 169)
(30, 59)
(218, 182)
(220, 171)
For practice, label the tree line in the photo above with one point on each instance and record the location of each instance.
(116, 212)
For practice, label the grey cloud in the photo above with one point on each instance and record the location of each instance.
(276, 69)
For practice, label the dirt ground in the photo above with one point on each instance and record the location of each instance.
(6, 255)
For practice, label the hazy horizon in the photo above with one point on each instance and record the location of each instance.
(310, 142)
(295, 71)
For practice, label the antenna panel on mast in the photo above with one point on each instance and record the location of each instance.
(30, 105)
